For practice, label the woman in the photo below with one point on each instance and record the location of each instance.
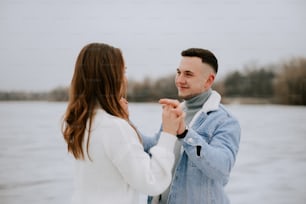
(111, 165)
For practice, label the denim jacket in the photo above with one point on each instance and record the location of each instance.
(209, 152)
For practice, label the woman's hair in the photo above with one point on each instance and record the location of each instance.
(98, 79)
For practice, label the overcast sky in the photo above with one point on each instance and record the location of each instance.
(40, 39)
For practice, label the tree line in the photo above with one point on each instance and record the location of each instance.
(277, 83)
(56, 94)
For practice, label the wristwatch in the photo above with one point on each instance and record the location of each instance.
(183, 134)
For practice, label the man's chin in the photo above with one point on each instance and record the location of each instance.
(184, 97)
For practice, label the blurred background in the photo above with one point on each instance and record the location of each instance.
(261, 48)
(253, 39)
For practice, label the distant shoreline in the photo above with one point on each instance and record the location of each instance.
(247, 100)
(225, 100)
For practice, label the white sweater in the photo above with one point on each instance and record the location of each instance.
(120, 170)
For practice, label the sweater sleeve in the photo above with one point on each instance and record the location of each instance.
(149, 175)
(149, 141)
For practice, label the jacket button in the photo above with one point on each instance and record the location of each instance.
(190, 140)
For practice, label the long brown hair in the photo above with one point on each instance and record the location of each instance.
(98, 79)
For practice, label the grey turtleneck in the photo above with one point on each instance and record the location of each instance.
(193, 105)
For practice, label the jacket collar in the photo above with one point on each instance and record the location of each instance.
(212, 102)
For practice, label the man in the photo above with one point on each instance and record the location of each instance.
(208, 137)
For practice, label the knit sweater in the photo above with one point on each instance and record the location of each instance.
(120, 170)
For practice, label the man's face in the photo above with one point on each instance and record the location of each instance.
(193, 77)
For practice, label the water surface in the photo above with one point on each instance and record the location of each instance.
(35, 167)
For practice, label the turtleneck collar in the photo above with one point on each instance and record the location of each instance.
(197, 101)
(193, 105)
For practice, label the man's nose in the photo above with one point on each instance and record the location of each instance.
(180, 78)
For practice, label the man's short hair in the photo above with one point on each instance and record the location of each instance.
(205, 55)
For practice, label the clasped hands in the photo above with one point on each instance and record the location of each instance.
(173, 116)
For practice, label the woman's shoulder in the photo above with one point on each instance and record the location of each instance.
(102, 118)
(108, 125)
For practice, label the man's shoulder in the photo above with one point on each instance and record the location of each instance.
(222, 114)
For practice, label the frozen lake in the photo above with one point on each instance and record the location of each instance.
(35, 167)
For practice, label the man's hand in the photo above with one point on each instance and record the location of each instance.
(173, 116)
(171, 102)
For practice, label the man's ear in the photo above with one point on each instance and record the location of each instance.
(210, 80)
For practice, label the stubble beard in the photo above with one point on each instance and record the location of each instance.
(186, 97)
